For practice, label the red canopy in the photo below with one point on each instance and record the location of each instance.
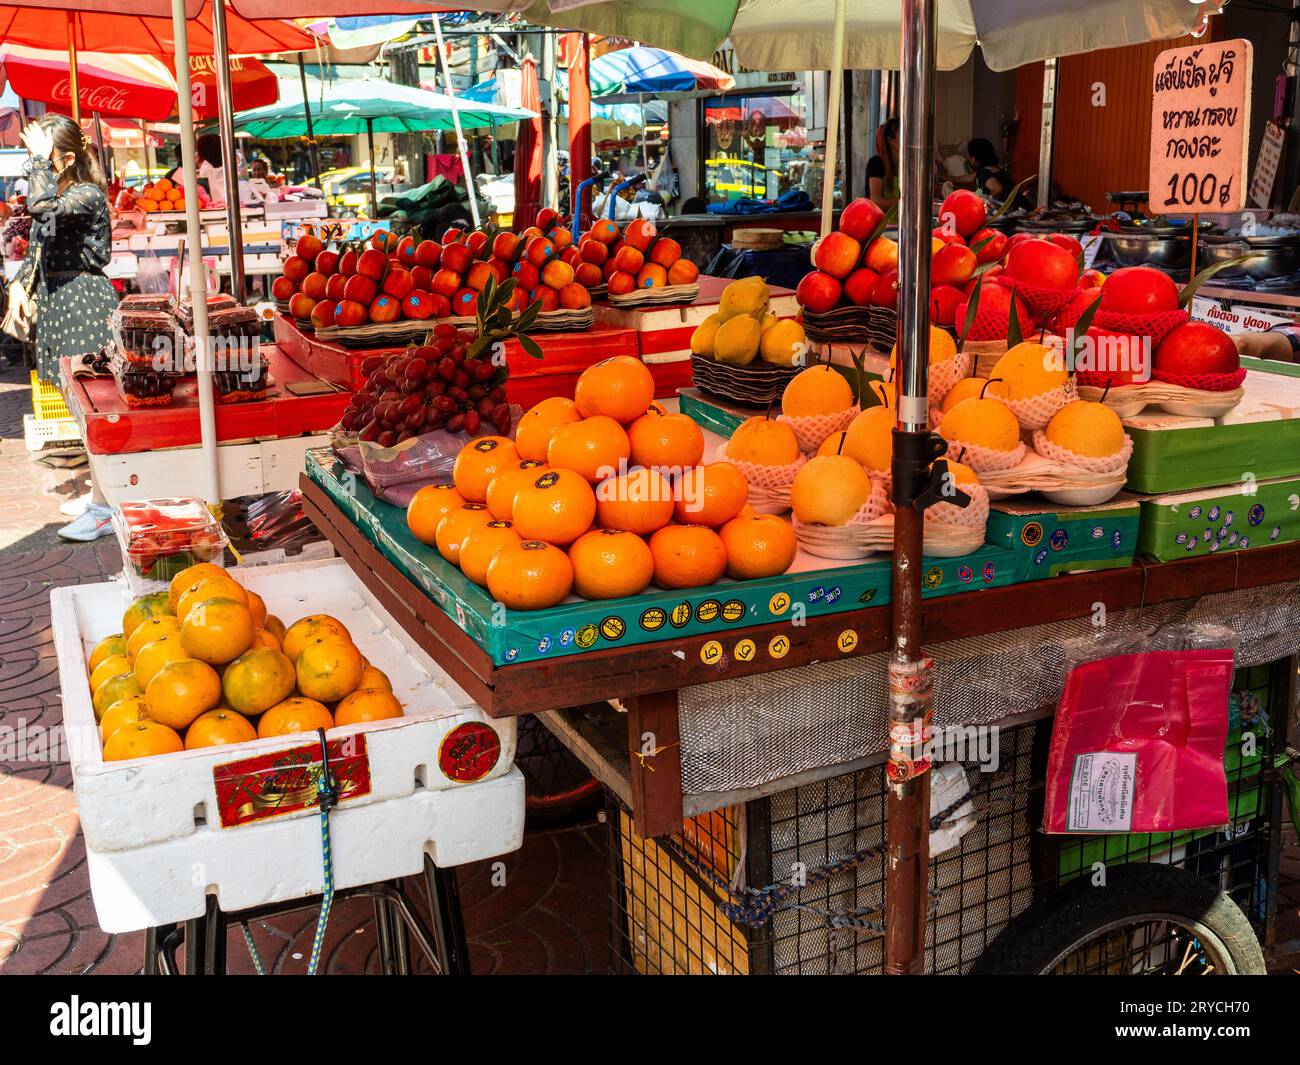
(123, 32)
(252, 84)
(123, 86)
(528, 150)
(579, 54)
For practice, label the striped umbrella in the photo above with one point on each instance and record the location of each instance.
(642, 70)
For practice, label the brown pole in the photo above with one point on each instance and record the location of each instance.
(908, 807)
(311, 134)
(73, 86)
(374, 195)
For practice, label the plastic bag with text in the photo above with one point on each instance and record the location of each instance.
(1137, 744)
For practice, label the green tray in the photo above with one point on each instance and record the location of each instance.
(1048, 540)
(1221, 519)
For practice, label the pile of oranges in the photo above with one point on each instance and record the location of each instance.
(161, 195)
(598, 495)
(638, 257)
(203, 664)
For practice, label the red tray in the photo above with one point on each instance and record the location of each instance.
(112, 428)
(563, 353)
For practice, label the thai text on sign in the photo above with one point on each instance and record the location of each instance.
(1200, 113)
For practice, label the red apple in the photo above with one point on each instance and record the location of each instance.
(504, 245)
(953, 264)
(1091, 279)
(944, 300)
(1064, 240)
(859, 286)
(349, 313)
(441, 305)
(296, 268)
(860, 219)
(428, 254)
(360, 289)
(322, 315)
(946, 237)
(1117, 358)
(1040, 262)
(313, 285)
(475, 241)
(548, 297)
(1138, 290)
(446, 282)
(398, 283)
(526, 274)
(385, 309)
(464, 303)
(282, 288)
(837, 254)
(456, 257)
(308, 247)
(335, 287)
(886, 292)
(967, 210)
(423, 277)
(327, 262)
(372, 263)
(993, 249)
(818, 292)
(406, 250)
(1196, 348)
(453, 235)
(995, 309)
(1069, 314)
(882, 255)
(301, 305)
(593, 250)
(348, 263)
(418, 305)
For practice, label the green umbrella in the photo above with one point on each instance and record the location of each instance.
(352, 106)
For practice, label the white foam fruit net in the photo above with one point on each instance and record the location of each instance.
(985, 459)
(1105, 464)
(877, 504)
(812, 430)
(974, 515)
(775, 479)
(1036, 411)
(943, 375)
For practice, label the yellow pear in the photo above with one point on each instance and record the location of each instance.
(784, 343)
(737, 341)
(705, 333)
(748, 296)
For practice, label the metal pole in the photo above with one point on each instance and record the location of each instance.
(1047, 133)
(211, 479)
(311, 134)
(550, 150)
(909, 671)
(229, 160)
(455, 118)
(833, 118)
(73, 85)
(374, 195)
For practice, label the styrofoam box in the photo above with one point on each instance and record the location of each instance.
(155, 845)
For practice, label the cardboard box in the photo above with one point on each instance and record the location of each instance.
(1048, 539)
(1234, 518)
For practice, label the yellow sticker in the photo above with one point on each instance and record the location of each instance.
(733, 610)
(778, 646)
(779, 603)
(745, 651)
(847, 640)
(653, 618)
(711, 653)
(707, 611)
(613, 627)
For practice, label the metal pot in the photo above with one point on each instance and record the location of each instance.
(1276, 256)
(1077, 226)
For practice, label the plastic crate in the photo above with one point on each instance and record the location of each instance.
(47, 402)
(39, 434)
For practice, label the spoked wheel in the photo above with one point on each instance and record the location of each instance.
(1148, 920)
(557, 787)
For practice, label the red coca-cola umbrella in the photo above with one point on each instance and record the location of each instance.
(251, 84)
(120, 86)
(528, 150)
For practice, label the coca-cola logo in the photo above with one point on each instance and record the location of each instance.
(102, 98)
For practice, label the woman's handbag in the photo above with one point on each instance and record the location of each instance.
(20, 315)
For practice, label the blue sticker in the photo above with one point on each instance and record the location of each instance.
(512, 654)
(1213, 515)
(989, 571)
(1059, 539)
(833, 595)
(1191, 543)
(1232, 537)
(566, 637)
(1098, 532)
(1256, 514)
(1040, 558)
(1115, 538)
(816, 593)
(543, 645)
(1227, 517)
(964, 574)
(1244, 542)
(1180, 538)
(1215, 546)
(1208, 535)
(1223, 532)
(1195, 512)
(1275, 532)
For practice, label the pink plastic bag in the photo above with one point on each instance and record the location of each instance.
(1137, 745)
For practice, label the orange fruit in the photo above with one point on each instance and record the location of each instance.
(147, 606)
(660, 439)
(621, 388)
(687, 556)
(328, 670)
(217, 631)
(217, 728)
(594, 447)
(760, 546)
(123, 686)
(533, 433)
(478, 462)
(764, 442)
(294, 714)
(558, 507)
(109, 646)
(257, 680)
(367, 704)
(502, 488)
(481, 543)
(312, 626)
(210, 588)
(639, 502)
(609, 563)
(153, 656)
(711, 495)
(256, 607)
(181, 691)
(427, 508)
(275, 627)
(123, 712)
(374, 678)
(150, 630)
(111, 666)
(530, 575)
(262, 638)
(190, 576)
(142, 740)
(455, 524)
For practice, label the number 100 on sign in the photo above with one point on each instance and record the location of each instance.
(1200, 112)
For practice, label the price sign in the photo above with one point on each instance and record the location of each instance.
(1270, 156)
(1200, 112)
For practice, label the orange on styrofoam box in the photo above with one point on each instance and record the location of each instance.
(664, 333)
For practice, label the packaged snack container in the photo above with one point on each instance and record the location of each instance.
(161, 537)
